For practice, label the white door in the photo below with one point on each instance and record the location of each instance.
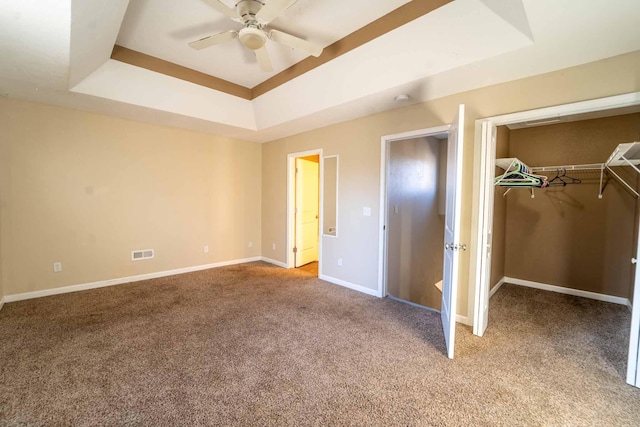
(633, 366)
(307, 183)
(452, 230)
(481, 309)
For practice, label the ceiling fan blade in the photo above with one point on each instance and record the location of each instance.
(295, 42)
(221, 7)
(263, 59)
(214, 39)
(272, 9)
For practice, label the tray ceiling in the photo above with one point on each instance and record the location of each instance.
(60, 53)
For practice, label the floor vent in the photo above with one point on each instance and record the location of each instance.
(144, 254)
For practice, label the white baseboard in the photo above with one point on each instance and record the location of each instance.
(1, 302)
(359, 288)
(569, 291)
(463, 319)
(459, 318)
(274, 262)
(413, 304)
(496, 287)
(112, 282)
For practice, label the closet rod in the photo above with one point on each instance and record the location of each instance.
(592, 166)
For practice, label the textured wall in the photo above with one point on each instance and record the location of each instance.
(566, 236)
(415, 229)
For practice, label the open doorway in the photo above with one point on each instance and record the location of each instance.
(416, 178)
(575, 233)
(423, 176)
(304, 206)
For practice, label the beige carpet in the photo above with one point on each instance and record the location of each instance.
(259, 345)
(311, 268)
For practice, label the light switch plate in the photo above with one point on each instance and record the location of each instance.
(366, 211)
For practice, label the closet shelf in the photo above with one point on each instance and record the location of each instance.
(627, 154)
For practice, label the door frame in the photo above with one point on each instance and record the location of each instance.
(385, 142)
(291, 200)
(483, 187)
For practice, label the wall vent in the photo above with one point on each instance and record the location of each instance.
(143, 254)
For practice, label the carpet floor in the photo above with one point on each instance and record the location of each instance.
(254, 344)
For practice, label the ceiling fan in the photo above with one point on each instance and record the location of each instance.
(255, 15)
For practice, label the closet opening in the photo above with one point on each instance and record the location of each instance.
(561, 213)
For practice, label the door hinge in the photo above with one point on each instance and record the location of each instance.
(295, 250)
(455, 246)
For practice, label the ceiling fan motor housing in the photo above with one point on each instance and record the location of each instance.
(251, 36)
(247, 9)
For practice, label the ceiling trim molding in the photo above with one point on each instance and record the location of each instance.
(158, 65)
(389, 22)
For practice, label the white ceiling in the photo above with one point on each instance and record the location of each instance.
(162, 28)
(58, 52)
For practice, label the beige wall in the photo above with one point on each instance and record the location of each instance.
(358, 144)
(499, 213)
(566, 236)
(85, 190)
(1, 282)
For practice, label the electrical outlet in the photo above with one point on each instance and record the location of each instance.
(366, 211)
(57, 267)
(339, 262)
(206, 249)
(250, 244)
(273, 246)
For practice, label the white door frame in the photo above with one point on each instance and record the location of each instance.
(484, 165)
(385, 142)
(291, 200)
(633, 367)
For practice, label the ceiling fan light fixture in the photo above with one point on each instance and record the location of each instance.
(252, 38)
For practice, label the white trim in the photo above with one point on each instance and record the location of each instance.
(1, 302)
(413, 304)
(630, 306)
(476, 279)
(459, 318)
(130, 279)
(590, 106)
(353, 286)
(496, 287)
(274, 262)
(384, 150)
(568, 291)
